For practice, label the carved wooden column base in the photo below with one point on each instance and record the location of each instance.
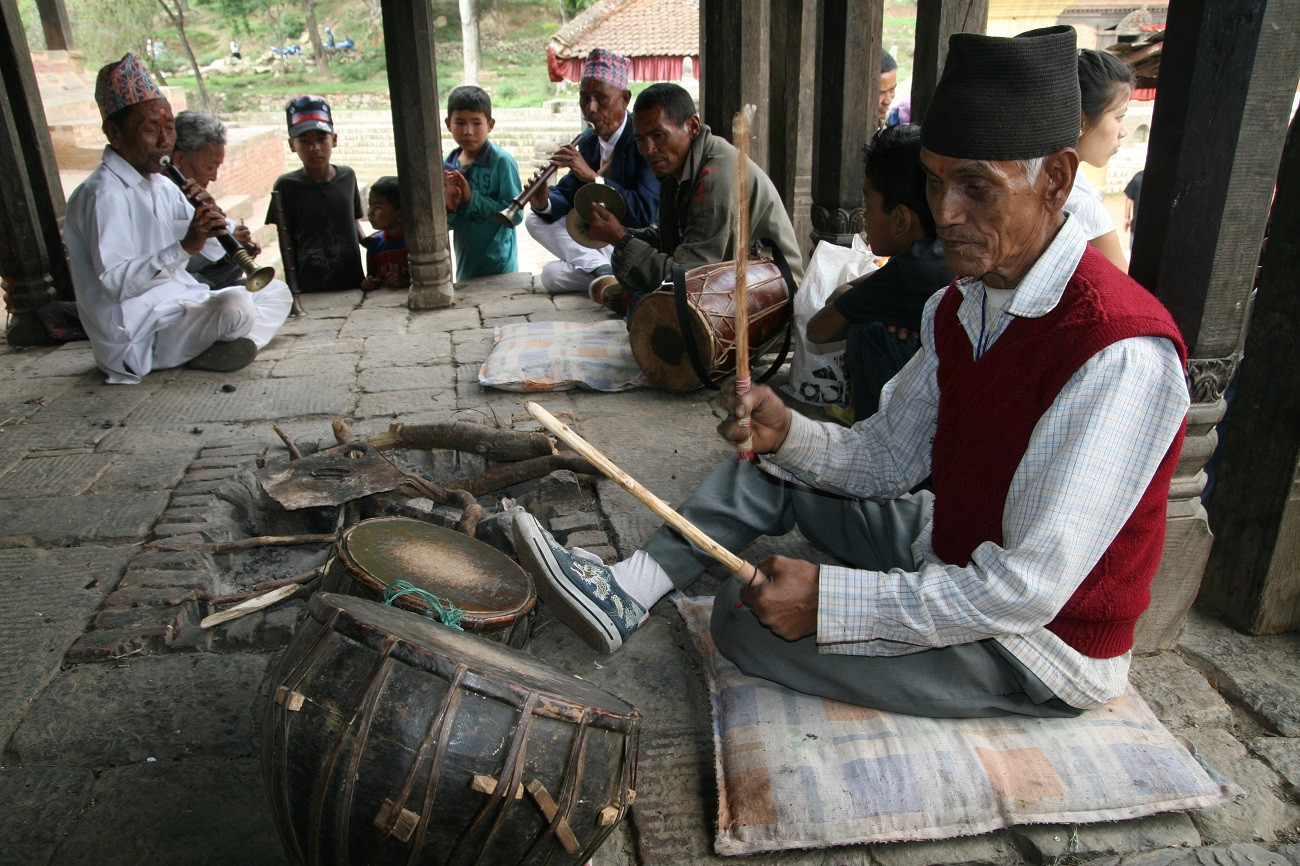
(1187, 535)
(24, 297)
(801, 214)
(431, 286)
(837, 225)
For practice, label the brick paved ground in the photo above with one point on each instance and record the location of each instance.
(128, 730)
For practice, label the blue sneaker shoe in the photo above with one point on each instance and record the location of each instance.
(584, 595)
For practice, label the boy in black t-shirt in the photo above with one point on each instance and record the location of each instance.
(321, 203)
(880, 314)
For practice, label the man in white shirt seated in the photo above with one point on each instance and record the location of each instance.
(1047, 402)
(130, 233)
(607, 156)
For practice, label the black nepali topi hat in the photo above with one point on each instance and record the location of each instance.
(1006, 97)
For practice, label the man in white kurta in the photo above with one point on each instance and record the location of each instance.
(130, 232)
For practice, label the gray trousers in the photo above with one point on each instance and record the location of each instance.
(740, 502)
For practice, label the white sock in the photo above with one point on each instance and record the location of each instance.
(642, 578)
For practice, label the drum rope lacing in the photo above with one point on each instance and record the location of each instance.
(439, 608)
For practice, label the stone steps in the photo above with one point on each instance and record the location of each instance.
(366, 137)
(75, 107)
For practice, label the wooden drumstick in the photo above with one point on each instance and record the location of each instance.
(742, 569)
(740, 135)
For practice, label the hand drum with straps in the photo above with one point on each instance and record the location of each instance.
(684, 338)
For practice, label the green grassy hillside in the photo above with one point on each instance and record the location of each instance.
(513, 37)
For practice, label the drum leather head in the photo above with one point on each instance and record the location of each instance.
(475, 577)
(658, 347)
(578, 220)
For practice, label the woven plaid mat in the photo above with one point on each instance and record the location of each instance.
(796, 771)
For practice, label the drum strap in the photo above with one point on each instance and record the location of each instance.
(688, 333)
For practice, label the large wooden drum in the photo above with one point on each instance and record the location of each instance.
(495, 594)
(388, 738)
(656, 332)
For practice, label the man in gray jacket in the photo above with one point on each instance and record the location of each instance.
(697, 201)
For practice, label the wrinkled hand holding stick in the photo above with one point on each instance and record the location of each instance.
(740, 136)
(738, 566)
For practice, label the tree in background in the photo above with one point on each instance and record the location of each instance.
(470, 49)
(103, 31)
(570, 8)
(32, 29)
(175, 11)
(235, 13)
(313, 33)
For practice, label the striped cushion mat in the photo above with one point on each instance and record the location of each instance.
(796, 771)
(558, 356)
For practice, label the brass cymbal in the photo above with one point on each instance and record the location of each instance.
(578, 220)
(590, 193)
(580, 230)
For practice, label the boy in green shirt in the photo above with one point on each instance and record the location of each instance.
(481, 179)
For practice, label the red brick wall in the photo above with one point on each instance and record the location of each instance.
(252, 165)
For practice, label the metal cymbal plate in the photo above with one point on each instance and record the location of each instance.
(590, 193)
(580, 230)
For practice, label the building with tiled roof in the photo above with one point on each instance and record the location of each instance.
(658, 35)
(1091, 18)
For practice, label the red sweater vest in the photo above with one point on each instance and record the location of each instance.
(988, 409)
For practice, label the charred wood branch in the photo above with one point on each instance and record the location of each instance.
(525, 470)
(294, 453)
(259, 588)
(342, 432)
(471, 511)
(241, 543)
(497, 445)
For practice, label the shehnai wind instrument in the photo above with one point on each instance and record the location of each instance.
(257, 276)
(506, 216)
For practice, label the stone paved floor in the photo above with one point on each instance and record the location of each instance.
(118, 754)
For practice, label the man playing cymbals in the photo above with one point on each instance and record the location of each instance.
(696, 171)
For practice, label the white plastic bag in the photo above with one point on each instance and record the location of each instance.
(817, 371)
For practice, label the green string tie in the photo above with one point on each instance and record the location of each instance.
(440, 609)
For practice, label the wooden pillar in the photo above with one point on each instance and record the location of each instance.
(33, 262)
(735, 62)
(417, 140)
(1227, 76)
(1253, 576)
(847, 90)
(54, 21)
(936, 20)
(794, 69)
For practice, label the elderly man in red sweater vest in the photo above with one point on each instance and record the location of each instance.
(1047, 402)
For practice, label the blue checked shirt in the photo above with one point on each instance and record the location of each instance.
(1089, 460)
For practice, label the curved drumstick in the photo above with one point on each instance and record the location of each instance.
(738, 566)
(740, 135)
